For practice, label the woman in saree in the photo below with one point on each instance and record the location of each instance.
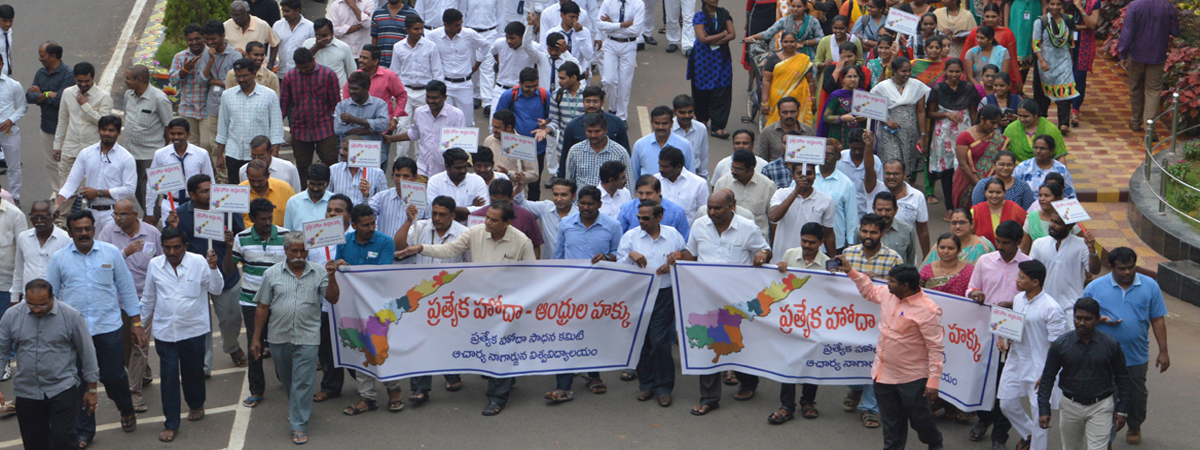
(836, 120)
(1014, 190)
(948, 273)
(926, 30)
(997, 209)
(1054, 79)
(806, 28)
(1002, 37)
(976, 149)
(953, 21)
(1028, 125)
(953, 108)
(1003, 98)
(881, 67)
(1018, 17)
(904, 130)
(787, 73)
(832, 74)
(962, 224)
(984, 54)
(829, 50)
(932, 69)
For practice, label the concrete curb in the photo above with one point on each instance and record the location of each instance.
(152, 38)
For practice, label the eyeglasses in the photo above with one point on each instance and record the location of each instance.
(644, 218)
(33, 307)
(40, 217)
(83, 230)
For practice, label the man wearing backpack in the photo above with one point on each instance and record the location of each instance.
(530, 103)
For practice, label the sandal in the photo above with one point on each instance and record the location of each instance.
(628, 375)
(597, 386)
(776, 418)
(809, 411)
(195, 415)
(870, 420)
(493, 409)
(454, 387)
(851, 401)
(322, 396)
(252, 401)
(742, 396)
(239, 358)
(128, 424)
(1075, 117)
(932, 200)
(705, 408)
(84, 443)
(396, 405)
(299, 437)
(560, 396)
(719, 134)
(167, 435)
(978, 431)
(730, 378)
(140, 408)
(8, 409)
(354, 410)
(418, 397)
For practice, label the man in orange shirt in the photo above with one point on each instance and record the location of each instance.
(908, 357)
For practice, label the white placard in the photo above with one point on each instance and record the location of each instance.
(209, 225)
(871, 106)
(464, 138)
(519, 147)
(364, 153)
(413, 193)
(230, 198)
(1071, 211)
(902, 22)
(324, 232)
(1006, 323)
(475, 220)
(168, 178)
(804, 149)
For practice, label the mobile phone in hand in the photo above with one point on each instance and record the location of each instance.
(833, 264)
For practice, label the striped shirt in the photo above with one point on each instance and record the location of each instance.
(564, 108)
(243, 117)
(389, 211)
(191, 86)
(257, 255)
(424, 233)
(388, 30)
(876, 266)
(343, 181)
(583, 163)
(295, 303)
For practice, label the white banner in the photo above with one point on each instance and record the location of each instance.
(528, 318)
(814, 327)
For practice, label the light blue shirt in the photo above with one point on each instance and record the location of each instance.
(97, 284)
(300, 208)
(646, 150)
(575, 241)
(673, 216)
(1134, 308)
(845, 218)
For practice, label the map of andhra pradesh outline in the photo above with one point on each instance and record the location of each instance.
(720, 330)
(369, 335)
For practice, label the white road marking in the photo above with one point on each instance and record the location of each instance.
(241, 420)
(115, 62)
(644, 120)
(141, 421)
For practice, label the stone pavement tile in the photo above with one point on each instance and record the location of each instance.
(1110, 225)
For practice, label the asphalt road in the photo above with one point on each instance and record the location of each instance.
(452, 420)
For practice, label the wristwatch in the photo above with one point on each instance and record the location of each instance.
(93, 391)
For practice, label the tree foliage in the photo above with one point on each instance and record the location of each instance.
(180, 13)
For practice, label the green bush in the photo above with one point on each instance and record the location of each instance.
(180, 13)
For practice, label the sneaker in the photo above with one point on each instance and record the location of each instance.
(7, 373)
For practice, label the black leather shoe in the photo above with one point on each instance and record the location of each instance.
(650, 40)
(641, 47)
(672, 48)
(478, 103)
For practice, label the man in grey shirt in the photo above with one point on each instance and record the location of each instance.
(215, 64)
(293, 289)
(51, 342)
(147, 113)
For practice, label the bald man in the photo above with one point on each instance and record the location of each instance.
(147, 113)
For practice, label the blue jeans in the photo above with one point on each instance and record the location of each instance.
(183, 359)
(110, 356)
(296, 368)
(868, 402)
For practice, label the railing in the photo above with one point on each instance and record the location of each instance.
(1151, 162)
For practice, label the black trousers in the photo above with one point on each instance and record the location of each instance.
(498, 390)
(254, 373)
(1063, 107)
(234, 168)
(424, 384)
(656, 367)
(48, 423)
(110, 356)
(787, 395)
(332, 378)
(181, 364)
(995, 418)
(534, 190)
(901, 405)
(712, 106)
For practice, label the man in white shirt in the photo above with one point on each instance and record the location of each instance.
(682, 187)
(649, 246)
(439, 228)
(332, 378)
(468, 190)
(35, 247)
(174, 300)
(109, 170)
(622, 22)
(721, 237)
(550, 60)
(351, 22)
(79, 115)
(514, 52)
(12, 224)
(12, 108)
(432, 11)
(743, 139)
(1044, 323)
(192, 159)
(910, 201)
(459, 51)
(574, 24)
(863, 168)
(426, 129)
(278, 168)
(292, 30)
(613, 193)
(248, 112)
(486, 17)
(753, 189)
(416, 61)
(330, 52)
(1066, 257)
(679, 15)
(694, 131)
(792, 208)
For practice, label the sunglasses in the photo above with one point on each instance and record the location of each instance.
(644, 218)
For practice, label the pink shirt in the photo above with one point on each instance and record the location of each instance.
(910, 335)
(386, 86)
(996, 278)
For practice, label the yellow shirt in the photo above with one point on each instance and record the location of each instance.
(278, 193)
(258, 30)
(264, 77)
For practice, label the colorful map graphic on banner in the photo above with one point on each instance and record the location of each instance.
(720, 330)
(370, 335)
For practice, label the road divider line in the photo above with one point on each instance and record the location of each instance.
(241, 420)
(141, 421)
(644, 121)
(114, 62)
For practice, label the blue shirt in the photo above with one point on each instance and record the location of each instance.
(528, 109)
(646, 150)
(576, 241)
(378, 251)
(673, 216)
(1134, 307)
(300, 208)
(845, 218)
(97, 284)
(199, 246)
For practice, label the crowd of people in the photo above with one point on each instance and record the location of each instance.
(111, 265)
